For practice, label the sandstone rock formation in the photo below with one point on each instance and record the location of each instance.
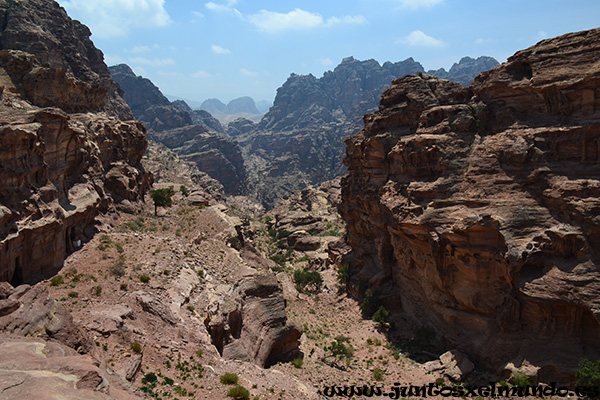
(299, 141)
(184, 131)
(32, 368)
(466, 69)
(64, 163)
(251, 324)
(478, 207)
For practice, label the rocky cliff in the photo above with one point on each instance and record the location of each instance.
(185, 131)
(67, 153)
(299, 141)
(475, 210)
(466, 69)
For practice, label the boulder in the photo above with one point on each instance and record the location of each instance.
(251, 325)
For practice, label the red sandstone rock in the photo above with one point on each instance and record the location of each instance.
(479, 206)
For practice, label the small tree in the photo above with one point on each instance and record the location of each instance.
(162, 198)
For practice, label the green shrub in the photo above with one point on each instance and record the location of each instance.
(149, 378)
(57, 280)
(136, 347)
(520, 379)
(144, 278)
(297, 362)
(73, 294)
(96, 290)
(588, 373)
(343, 278)
(341, 348)
(123, 286)
(381, 316)
(229, 379)
(118, 268)
(239, 393)
(371, 302)
(162, 198)
(378, 374)
(184, 191)
(308, 279)
(137, 225)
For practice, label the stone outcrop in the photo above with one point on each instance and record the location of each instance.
(33, 368)
(466, 69)
(60, 66)
(35, 313)
(251, 324)
(299, 141)
(478, 207)
(62, 159)
(213, 154)
(185, 131)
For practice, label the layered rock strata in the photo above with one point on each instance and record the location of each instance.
(66, 154)
(251, 324)
(184, 131)
(475, 210)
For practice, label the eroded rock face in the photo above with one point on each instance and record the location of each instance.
(478, 206)
(62, 164)
(185, 131)
(252, 325)
(39, 369)
(67, 70)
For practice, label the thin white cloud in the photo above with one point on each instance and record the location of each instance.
(297, 19)
(226, 7)
(155, 62)
(219, 50)
(420, 39)
(201, 74)
(541, 35)
(110, 59)
(197, 14)
(326, 62)
(348, 19)
(418, 4)
(115, 18)
(141, 49)
(248, 73)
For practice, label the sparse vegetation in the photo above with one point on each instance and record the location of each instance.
(588, 373)
(136, 225)
(239, 393)
(343, 278)
(341, 348)
(96, 290)
(162, 198)
(136, 347)
(229, 379)
(118, 268)
(144, 278)
(297, 362)
(184, 190)
(520, 379)
(378, 374)
(307, 280)
(57, 280)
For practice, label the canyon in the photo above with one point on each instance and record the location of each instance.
(461, 245)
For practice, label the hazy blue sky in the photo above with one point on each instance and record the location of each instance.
(231, 48)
